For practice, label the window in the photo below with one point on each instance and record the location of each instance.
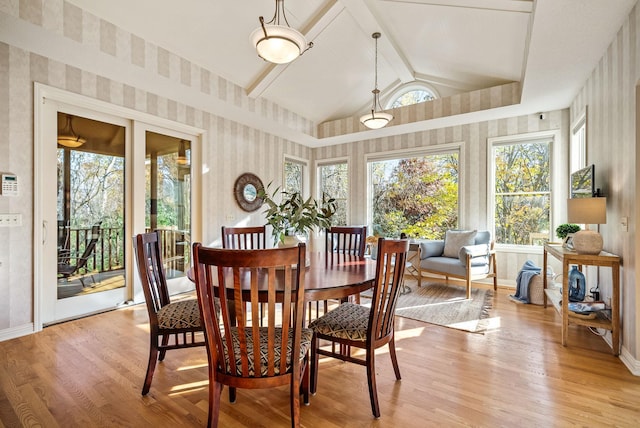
(413, 93)
(294, 176)
(415, 195)
(578, 150)
(333, 180)
(521, 191)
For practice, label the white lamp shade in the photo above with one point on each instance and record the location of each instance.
(587, 210)
(282, 44)
(376, 120)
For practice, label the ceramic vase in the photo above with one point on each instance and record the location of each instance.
(577, 285)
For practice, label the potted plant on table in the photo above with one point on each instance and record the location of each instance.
(294, 215)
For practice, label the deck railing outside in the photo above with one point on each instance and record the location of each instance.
(109, 251)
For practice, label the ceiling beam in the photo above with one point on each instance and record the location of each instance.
(522, 6)
(317, 25)
(363, 13)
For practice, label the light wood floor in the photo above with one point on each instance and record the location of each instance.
(89, 372)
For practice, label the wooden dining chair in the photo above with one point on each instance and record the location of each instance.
(346, 240)
(343, 240)
(244, 238)
(241, 352)
(369, 328)
(172, 325)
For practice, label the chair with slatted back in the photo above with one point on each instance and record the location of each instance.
(365, 327)
(243, 353)
(244, 238)
(172, 325)
(346, 240)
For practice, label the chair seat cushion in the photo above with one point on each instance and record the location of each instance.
(305, 344)
(180, 314)
(347, 321)
(447, 265)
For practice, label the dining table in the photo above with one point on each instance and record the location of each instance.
(327, 276)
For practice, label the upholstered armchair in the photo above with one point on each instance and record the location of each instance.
(463, 254)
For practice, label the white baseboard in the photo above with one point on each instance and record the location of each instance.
(13, 332)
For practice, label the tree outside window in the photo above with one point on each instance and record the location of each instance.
(334, 182)
(412, 97)
(522, 190)
(417, 196)
(293, 176)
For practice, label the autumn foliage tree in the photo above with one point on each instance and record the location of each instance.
(416, 196)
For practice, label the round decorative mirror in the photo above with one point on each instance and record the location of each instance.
(246, 192)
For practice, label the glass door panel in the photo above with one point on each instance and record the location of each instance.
(168, 199)
(90, 206)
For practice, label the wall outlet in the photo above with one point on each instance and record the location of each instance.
(10, 220)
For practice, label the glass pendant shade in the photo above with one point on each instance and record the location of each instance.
(376, 119)
(276, 41)
(281, 44)
(68, 138)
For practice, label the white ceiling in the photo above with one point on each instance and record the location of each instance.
(550, 46)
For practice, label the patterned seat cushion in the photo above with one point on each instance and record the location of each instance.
(305, 345)
(347, 321)
(180, 314)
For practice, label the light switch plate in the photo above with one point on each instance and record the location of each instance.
(624, 224)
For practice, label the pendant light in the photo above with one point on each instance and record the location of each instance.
(276, 41)
(68, 137)
(182, 154)
(376, 119)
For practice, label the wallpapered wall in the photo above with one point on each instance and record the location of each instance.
(613, 135)
(111, 65)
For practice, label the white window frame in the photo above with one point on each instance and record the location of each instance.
(306, 190)
(426, 151)
(555, 197)
(578, 146)
(334, 161)
(408, 87)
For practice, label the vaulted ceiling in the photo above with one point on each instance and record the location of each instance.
(455, 46)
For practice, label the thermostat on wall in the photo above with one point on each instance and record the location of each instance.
(9, 185)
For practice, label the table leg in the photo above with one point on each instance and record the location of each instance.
(565, 301)
(615, 311)
(544, 278)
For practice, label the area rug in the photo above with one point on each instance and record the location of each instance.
(446, 305)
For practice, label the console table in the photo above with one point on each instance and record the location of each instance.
(569, 257)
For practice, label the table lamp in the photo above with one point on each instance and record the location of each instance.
(587, 211)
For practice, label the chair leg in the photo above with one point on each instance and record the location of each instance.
(163, 352)
(294, 401)
(215, 391)
(305, 380)
(314, 364)
(468, 287)
(394, 358)
(371, 378)
(151, 366)
(232, 395)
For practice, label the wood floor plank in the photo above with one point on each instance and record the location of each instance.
(89, 372)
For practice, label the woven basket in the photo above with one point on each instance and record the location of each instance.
(536, 290)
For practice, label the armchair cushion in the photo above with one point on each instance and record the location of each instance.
(479, 254)
(456, 239)
(431, 248)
